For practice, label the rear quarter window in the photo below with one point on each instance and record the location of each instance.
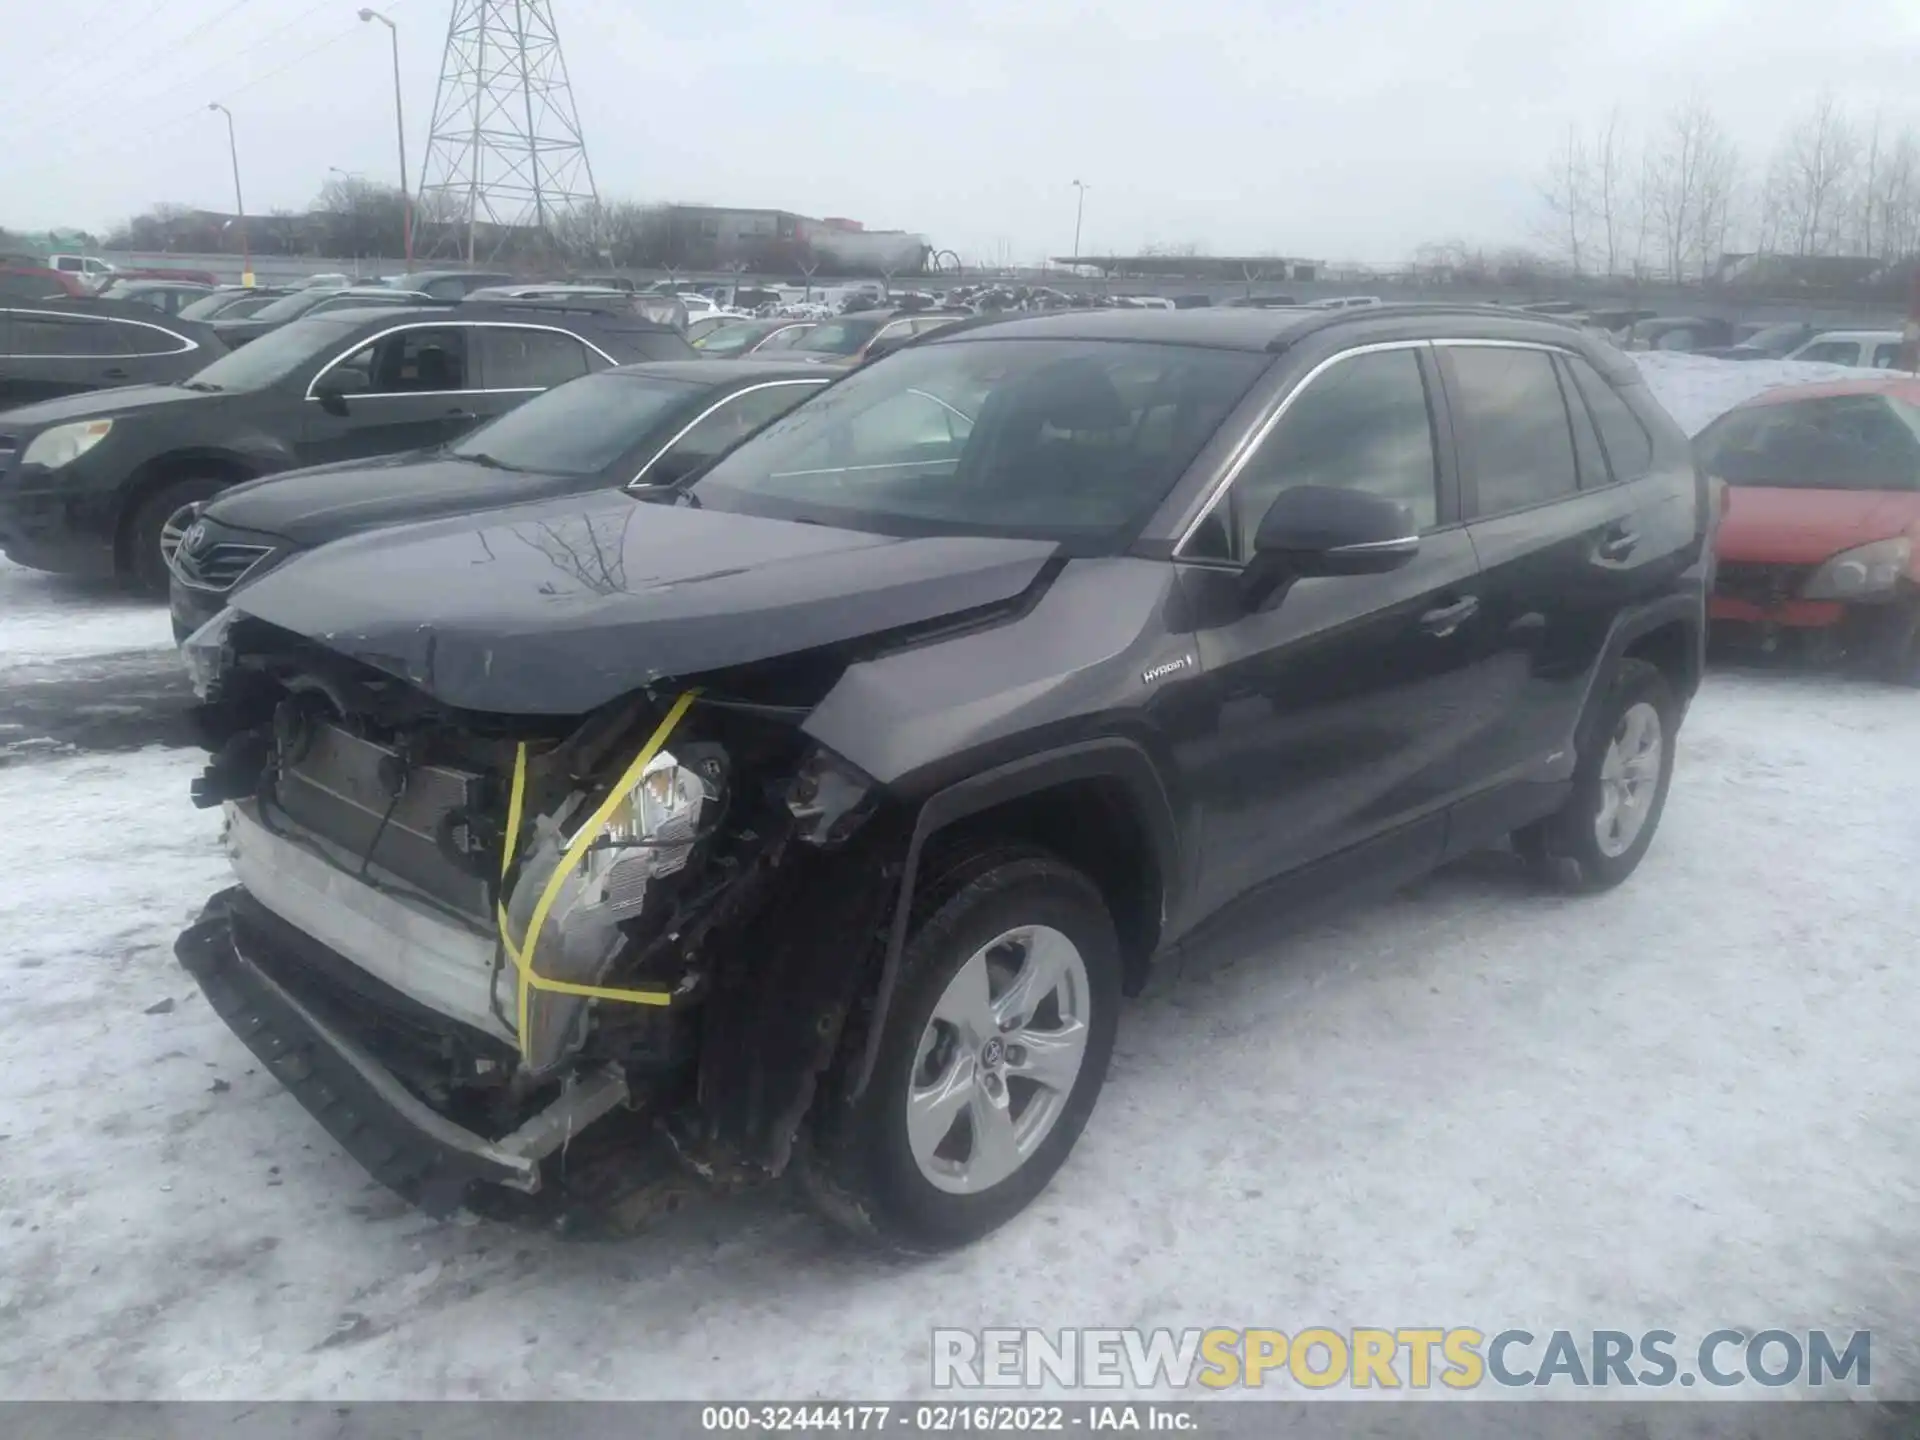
(1628, 445)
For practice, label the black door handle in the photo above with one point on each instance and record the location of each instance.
(459, 414)
(114, 374)
(1449, 618)
(1616, 544)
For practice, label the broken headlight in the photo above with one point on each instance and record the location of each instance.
(207, 654)
(650, 833)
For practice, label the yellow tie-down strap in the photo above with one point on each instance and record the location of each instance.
(522, 955)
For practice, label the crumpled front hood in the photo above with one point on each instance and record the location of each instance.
(557, 607)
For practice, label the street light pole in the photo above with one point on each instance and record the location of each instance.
(1079, 211)
(239, 204)
(400, 132)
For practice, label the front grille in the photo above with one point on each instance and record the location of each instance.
(219, 567)
(1767, 586)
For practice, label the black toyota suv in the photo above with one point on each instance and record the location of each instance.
(103, 484)
(821, 809)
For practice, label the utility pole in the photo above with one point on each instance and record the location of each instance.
(1079, 212)
(239, 204)
(400, 132)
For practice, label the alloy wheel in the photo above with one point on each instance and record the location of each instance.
(998, 1059)
(1629, 779)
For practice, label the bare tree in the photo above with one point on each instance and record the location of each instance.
(1863, 200)
(1567, 197)
(1608, 189)
(1812, 174)
(1688, 181)
(1897, 196)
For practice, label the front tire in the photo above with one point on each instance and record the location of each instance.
(993, 1052)
(1598, 838)
(154, 521)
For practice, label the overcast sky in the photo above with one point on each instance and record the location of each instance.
(1333, 129)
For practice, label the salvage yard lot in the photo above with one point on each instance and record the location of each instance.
(1684, 1104)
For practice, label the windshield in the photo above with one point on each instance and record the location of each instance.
(1069, 440)
(274, 356)
(581, 427)
(1827, 442)
(731, 339)
(291, 307)
(841, 337)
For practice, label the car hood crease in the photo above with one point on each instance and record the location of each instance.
(555, 608)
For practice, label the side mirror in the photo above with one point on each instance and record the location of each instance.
(333, 388)
(1318, 530)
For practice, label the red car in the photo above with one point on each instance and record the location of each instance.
(20, 281)
(1822, 520)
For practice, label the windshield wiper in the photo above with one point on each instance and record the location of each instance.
(491, 462)
(205, 387)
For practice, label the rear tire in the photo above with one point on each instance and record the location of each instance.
(1005, 1009)
(1598, 838)
(144, 563)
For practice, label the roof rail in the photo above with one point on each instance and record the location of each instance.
(1326, 320)
(620, 306)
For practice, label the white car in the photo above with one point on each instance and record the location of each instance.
(1864, 349)
(94, 271)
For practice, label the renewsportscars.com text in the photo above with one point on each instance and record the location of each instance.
(1398, 1358)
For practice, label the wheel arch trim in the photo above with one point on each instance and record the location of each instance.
(1108, 758)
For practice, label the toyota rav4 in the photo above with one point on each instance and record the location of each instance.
(819, 810)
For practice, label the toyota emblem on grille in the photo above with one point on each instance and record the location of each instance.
(195, 539)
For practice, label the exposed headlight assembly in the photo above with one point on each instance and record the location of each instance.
(206, 653)
(64, 444)
(1865, 572)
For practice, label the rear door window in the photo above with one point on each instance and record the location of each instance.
(52, 337)
(1831, 352)
(517, 358)
(1515, 426)
(1628, 445)
(1586, 440)
(127, 338)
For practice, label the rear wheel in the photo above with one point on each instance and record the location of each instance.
(994, 1050)
(155, 529)
(1597, 839)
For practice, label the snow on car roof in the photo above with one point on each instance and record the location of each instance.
(1697, 389)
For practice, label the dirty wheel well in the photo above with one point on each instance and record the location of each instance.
(1672, 650)
(1092, 825)
(156, 475)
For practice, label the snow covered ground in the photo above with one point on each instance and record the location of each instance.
(1687, 1104)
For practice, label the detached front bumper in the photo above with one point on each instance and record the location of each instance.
(310, 1045)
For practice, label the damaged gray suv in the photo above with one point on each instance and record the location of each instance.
(816, 812)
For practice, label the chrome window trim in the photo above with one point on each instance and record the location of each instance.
(186, 342)
(375, 339)
(724, 400)
(1251, 445)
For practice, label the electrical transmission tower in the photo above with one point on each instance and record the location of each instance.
(505, 148)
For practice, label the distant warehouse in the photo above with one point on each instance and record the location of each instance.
(709, 237)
